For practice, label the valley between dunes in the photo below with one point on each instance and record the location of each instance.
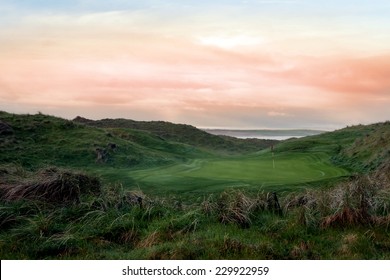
(122, 189)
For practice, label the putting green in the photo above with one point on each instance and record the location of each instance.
(260, 170)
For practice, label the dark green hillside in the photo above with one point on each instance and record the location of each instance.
(369, 151)
(358, 148)
(329, 142)
(183, 133)
(40, 140)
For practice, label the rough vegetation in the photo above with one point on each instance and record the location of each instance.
(51, 185)
(349, 221)
(5, 128)
(369, 151)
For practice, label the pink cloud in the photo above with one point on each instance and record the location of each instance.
(368, 75)
(174, 75)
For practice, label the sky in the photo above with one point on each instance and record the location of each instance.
(212, 64)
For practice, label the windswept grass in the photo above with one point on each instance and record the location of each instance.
(360, 201)
(51, 185)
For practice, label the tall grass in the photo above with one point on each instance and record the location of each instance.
(51, 185)
(362, 200)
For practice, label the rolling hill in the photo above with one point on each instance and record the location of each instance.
(359, 148)
(182, 133)
(41, 140)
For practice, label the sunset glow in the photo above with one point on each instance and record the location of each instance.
(233, 64)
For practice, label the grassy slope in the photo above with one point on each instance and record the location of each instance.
(187, 134)
(359, 148)
(39, 140)
(369, 151)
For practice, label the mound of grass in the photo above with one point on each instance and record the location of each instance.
(39, 140)
(369, 151)
(51, 185)
(360, 148)
(363, 200)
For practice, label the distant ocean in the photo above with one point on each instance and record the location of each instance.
(265, 133)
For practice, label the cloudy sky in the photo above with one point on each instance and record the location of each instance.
(221, 63)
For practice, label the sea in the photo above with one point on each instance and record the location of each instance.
(273, 134)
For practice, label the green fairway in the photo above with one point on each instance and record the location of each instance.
(262, 170)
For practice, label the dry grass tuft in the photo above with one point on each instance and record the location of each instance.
(346, 217)
(151, 240)
(300, 251)
(362, 200)
(232, 245)
(381, 221)
(234, 207)
(50, 185)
